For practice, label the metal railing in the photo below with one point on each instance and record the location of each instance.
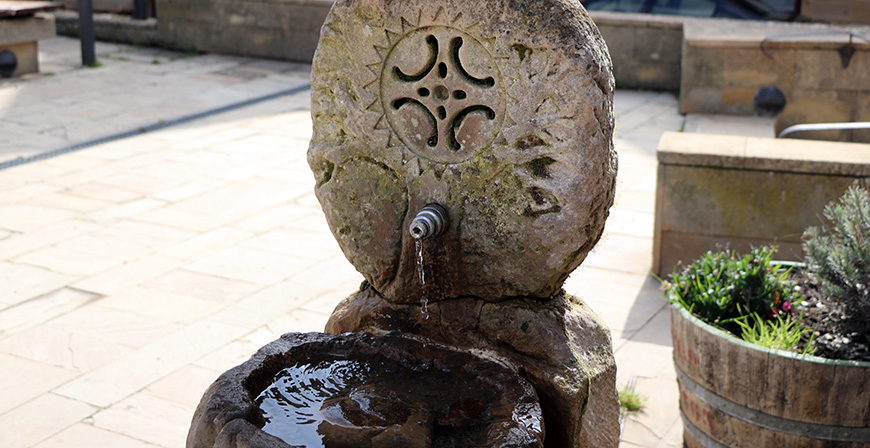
(823, 127)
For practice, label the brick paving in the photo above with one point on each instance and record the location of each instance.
(134, 272)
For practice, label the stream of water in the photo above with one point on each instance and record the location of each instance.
(418, 244)
(424, 301)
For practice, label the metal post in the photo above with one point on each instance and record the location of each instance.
(86, 32)
(140, 9)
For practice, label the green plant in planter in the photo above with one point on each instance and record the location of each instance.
(838, 257)
(738, 293)
(780, 333)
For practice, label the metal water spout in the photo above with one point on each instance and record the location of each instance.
(430, 221)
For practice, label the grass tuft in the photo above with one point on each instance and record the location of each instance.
(631, 402)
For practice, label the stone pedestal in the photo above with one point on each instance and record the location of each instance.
(20, 36)
(559, 345)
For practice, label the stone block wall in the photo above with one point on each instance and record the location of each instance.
(281, 29)
(114, 6)
(825, 91)
(836, 11)
(724, 65)
(743, 191)
(646, 49)
(114, 28)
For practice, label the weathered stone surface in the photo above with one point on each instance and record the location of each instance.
(742, 192)
(283, 29)
(26, 29)
(646, 49)
(837, 11)
(115, 6)
(559, 345)
(501, 111)
(407, 405)
(824, 106)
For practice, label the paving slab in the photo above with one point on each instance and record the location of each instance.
(39, 419)
(753, 126)
(85, 434)
(200, 242)
(131, 87)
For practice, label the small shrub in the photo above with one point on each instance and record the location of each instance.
(724, 287)
(838, 255)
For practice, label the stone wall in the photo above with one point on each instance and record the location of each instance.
(281, 29)
(646, 49)
(837, 11)
(114, 28)
(114, 6)
(724, 65)
(742, 191)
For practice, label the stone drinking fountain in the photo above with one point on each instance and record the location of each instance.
(463, 156)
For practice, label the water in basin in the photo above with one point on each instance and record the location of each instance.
(379, 403)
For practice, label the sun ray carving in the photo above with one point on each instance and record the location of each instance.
(384, 41)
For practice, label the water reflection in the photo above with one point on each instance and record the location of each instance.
(292, 404)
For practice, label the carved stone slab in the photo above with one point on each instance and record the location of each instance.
(500, 111)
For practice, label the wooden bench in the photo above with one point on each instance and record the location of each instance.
(20, 29)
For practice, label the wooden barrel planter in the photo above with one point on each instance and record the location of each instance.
(735, 394)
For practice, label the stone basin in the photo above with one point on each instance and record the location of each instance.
(362, 390)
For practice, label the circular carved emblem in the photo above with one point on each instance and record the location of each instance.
(442, 94)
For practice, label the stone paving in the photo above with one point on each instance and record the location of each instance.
(134, 272)
(133, 87)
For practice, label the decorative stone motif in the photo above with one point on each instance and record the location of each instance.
(438, 109)
(500, 111)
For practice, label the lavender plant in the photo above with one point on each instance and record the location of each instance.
(838, 255)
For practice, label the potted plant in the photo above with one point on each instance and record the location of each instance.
(769, 355)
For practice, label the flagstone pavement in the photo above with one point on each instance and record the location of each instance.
(134, 272)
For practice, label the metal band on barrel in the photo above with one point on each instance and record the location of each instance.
(773, 423)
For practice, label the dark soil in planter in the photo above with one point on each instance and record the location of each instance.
(838, 332)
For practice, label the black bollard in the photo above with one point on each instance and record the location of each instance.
(86, 32)
(140, 9)
(8, 63)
